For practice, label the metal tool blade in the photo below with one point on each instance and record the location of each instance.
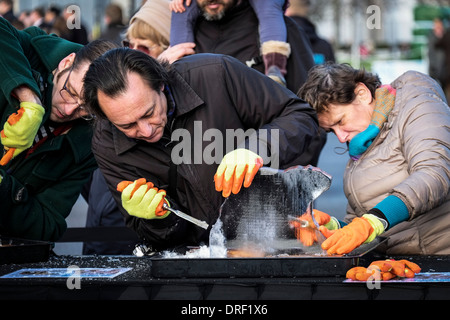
(311, 211)
(303, 223)
(187, 217)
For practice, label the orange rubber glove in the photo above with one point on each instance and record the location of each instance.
(359, 231)
(141, 199)
(308, 235)
(20, 130)
(384, 270)
(237, 168)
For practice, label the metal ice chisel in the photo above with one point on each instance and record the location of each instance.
(187, 217)
(303, 223)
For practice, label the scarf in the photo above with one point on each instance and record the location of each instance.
(384, 103)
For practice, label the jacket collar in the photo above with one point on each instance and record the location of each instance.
(181, 91)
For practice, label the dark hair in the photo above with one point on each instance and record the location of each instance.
(92, 51)
(333, 83)
(109, 73)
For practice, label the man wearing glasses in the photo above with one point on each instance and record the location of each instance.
(45, 137)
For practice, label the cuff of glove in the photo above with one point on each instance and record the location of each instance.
(166, 213)
(333, 224)
(377, 224)
(392, 209)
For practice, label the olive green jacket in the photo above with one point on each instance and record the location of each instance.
(38, 191)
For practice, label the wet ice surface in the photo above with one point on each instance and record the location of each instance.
(216, 249)
(257, 217)
(260, 213)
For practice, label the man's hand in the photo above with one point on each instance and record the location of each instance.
(20, 130)
(141, 199)
(237, 168)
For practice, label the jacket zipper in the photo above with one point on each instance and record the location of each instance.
(355, 164)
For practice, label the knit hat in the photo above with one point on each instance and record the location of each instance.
(157, 14)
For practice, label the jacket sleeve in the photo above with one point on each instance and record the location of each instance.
(32, 213)
(15, 67)
(161, 233)
(426, 137)
(287, 125)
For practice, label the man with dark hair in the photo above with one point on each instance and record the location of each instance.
(163, 129)
(47, 142)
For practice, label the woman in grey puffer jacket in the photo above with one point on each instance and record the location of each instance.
(397, 180)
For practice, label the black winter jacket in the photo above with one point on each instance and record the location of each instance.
(211, 93)
(236, 34)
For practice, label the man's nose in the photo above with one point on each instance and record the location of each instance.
(145, 129)
(70, 108)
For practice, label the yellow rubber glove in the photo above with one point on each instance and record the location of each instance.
(237, 168)
(384, 270)
(359, 231)
(141, 199)
(20, 130)
(308, 235)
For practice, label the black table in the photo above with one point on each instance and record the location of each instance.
(139, 284)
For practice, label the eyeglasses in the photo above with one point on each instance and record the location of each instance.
(139, 47)
(69, 98)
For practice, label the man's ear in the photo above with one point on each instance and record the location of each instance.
(66, 62)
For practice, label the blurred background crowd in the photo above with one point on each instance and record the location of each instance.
(385, 36)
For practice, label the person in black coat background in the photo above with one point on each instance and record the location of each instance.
(323, 50)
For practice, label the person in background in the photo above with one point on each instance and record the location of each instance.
(45, 135)
(298, 10)
(436, 55)
(51, 14)
(77, 34)
(141, 104)
(24, 18)
(149, 32)
(397, 181)
(231, 27)
(114, 24)
(37, 19)
(272, 32)
(444, 44)
(6, 10)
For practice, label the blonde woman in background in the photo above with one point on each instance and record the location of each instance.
(149, 32)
